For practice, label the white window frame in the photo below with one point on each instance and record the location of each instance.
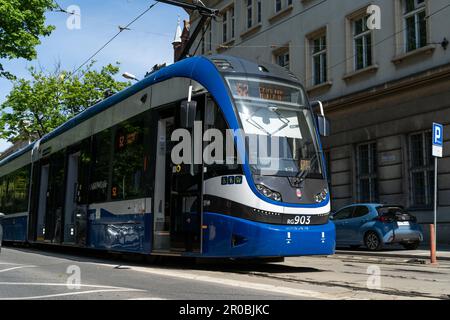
(427, 170)
(283, 5)
(258, 11)
(283, 53)
(323, 54)
(228, 24)
(418, 8)
(364, 35)
(372, 175)
(249, 13)
(225, 27)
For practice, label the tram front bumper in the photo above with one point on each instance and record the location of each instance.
(231, 237)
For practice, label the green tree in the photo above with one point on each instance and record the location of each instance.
(22, 22)
(35, 107)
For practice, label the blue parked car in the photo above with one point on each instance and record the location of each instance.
(376, 225)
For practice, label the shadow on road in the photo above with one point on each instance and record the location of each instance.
(122, 260)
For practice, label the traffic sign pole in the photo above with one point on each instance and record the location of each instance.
(438, 146)
(435, 198)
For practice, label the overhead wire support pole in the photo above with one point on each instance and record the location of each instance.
(206, 14)
(190, 6)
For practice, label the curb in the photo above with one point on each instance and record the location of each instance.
(387, 255)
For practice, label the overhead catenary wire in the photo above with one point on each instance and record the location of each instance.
(114, 37)
(202, 39)
(302, 12)
(382, 41)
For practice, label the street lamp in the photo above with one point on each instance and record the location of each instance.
(130, 76)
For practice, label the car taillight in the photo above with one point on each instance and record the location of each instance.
(384, 219)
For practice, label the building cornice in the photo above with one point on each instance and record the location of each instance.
(406, 83)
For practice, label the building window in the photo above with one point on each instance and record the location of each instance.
(253, 13)
(415, 24)
(225, 27)
(282, 58)
(203, 41)
(421, 170)
(367, 172)
(233, 24)
(228, 24)
(319, 59)
(362, 43)
(206, 41)
(210, 37)
(282, 4)
(249, 14)
(259, 11)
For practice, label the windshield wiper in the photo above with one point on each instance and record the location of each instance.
(283, 119)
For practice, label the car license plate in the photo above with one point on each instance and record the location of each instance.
(403, 224)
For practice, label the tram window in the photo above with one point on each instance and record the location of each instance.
(2, 193)
(56, 180)
(129, 161)
(85, 161)
(14, 191)
(98, 186)
(221, 167)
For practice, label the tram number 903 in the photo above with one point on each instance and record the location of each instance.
(299, 220)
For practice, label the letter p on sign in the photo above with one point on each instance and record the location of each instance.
(438, 140)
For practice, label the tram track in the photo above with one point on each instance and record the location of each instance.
(345, 285)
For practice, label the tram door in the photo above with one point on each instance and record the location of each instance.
(42, 202)
(55, 199)
(178, 193)
(76, 194)
(161, 210)
(70, 202)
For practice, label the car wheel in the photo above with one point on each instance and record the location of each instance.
(411, 246)
(372, 241)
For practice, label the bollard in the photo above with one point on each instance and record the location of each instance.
(433, 245)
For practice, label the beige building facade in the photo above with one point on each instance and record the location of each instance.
(382, 88)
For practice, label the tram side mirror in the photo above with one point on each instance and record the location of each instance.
(324, 126)
(322, 121)
(1, 217)
(187, 114)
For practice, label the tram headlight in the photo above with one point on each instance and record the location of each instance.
(321, 196)
(269, 193)
(276, 196)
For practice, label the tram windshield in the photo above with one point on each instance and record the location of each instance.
(279, 128)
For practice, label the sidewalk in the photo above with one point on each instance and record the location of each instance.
(442, 254)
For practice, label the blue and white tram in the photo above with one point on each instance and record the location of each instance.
(106, 179)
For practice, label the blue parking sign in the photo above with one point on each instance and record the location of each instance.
(438, 134)
(438, 140)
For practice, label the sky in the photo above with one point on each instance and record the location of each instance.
(149, 41)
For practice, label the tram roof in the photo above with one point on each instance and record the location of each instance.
(224, 64)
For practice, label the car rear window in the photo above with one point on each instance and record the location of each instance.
(395, 213)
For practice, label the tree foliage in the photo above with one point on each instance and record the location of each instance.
(22, 22)
(35, 107)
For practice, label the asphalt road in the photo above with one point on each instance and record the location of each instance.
(31, 274)
(35, 274)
